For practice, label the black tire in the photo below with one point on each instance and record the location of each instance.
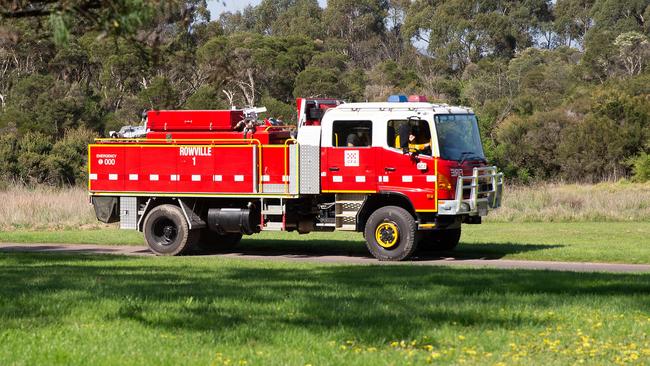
(439, 240)
(166, 231)
(213, 242)
(391, 234)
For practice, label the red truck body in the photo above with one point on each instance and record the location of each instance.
(229, 175)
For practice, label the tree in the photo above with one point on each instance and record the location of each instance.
(573, 20)
(633, 51)
(358, 25)
(461, 32)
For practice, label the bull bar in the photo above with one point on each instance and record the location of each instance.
(484, 189)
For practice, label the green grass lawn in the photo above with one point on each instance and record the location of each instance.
(622, 242)
(109, 310)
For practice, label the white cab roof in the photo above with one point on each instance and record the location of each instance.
(436, 108)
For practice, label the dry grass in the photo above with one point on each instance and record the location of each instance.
(575, 202)
(45, 208)
(68, 208)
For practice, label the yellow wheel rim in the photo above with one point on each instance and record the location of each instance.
(387, 235)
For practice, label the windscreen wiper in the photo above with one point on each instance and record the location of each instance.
(465, 155)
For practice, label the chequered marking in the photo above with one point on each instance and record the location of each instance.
(92, 176)
(239, 178)
(431, 178)
(112, 177)
(175, 177)
(196, 178)
(153, 177)
(133, 177)
(407, 178)
(285, 178)
(360, 178)
(217, 178)
(266, 178)
(323, 174)
(337, 178)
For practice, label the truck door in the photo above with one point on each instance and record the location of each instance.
(350, 159)
(410, 172)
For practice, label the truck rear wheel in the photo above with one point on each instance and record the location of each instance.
(439, 240)
(390, 234)
(166, 231)
(213, 242)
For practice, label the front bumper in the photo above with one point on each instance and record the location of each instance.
(476, 194)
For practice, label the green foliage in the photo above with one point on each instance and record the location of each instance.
(641, 167)
(206, 97)
(317, 82)
(279, 110)
(67, 160)
(560, 87)
(8, 155)
(33, 151)
(159, 95)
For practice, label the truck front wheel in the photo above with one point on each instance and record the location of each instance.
(166, 231)
(390, 234)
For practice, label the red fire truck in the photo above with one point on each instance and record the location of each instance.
(406, 174)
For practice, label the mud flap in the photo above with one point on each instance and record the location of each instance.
(106, 209)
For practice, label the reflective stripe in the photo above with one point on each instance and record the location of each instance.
(407, 178)
(360, 178)
(337, 179)
(133, 177)
(153, 177)
(112, 177)
(217, 178)
(196, 178)
(175, 177)
(92, 176)
(431, 178)
(239, 178)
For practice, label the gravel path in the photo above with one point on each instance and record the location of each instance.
(341, 259)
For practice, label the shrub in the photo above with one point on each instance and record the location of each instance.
(66, 163)
(641, 167)
(8, 155)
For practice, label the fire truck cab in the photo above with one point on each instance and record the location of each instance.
(405, 174)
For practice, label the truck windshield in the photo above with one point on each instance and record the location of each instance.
(458, 137)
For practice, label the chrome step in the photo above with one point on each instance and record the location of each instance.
(273, 210)
(272, 226)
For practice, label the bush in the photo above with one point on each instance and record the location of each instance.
(67, 161)
(8, 155)
(277, 109)
(641, 167)
(33, 151)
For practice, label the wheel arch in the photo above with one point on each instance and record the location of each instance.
(375, 201)
(150, 204)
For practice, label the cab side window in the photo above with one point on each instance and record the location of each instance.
(415, 133)
(352, 134)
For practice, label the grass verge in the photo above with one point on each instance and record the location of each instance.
(620, 242)
(108, 310)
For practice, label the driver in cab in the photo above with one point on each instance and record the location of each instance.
(414, 141)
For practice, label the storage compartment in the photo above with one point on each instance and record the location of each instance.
(193, 120)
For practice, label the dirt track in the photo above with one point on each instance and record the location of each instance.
(341, 259)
